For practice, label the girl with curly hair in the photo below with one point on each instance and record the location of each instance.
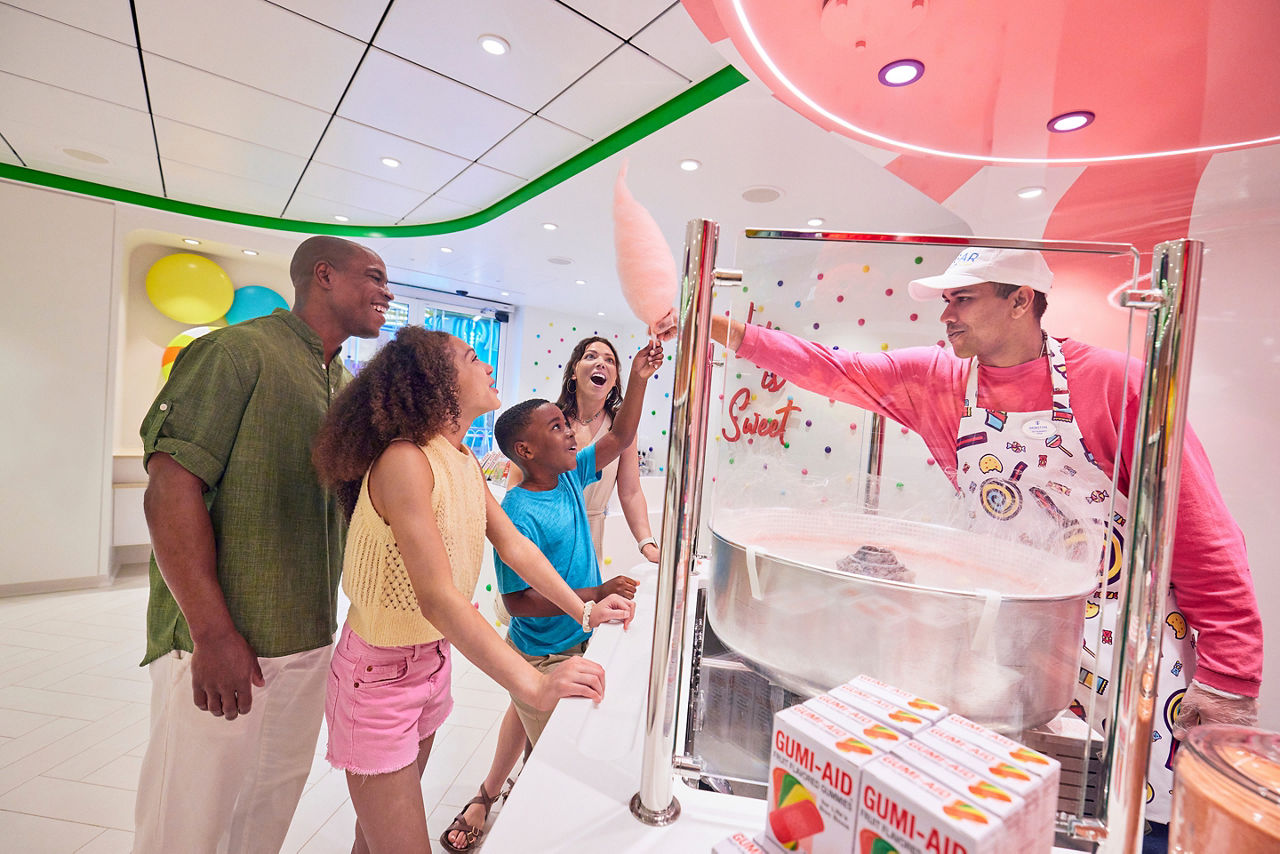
(392, 448)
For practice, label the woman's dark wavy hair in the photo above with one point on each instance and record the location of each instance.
(568, 400)
(408, 391)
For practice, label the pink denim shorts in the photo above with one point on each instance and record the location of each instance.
(382, 701)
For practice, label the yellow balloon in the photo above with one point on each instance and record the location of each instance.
(189, 288)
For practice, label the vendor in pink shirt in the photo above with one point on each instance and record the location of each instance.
(1050, 409)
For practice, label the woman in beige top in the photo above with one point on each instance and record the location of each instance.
(391, 448)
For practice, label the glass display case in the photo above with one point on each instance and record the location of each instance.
(816, 538)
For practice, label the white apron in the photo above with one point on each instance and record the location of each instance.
(1032, 470)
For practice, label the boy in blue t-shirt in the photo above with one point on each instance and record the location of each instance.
(548, 508)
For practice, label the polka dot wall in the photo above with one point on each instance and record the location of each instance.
(547, 340)
(772, 442)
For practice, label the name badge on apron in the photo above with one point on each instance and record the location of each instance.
(1039, 428)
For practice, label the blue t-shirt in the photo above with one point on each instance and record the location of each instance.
(556, 521)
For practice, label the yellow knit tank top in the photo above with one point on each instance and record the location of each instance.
(384, 609)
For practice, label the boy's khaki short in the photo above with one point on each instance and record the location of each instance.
(535, 720)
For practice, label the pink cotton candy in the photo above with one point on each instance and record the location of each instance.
(646, 266)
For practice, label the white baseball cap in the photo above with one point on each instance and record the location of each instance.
(979, 264)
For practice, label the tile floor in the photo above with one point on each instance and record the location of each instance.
(73, 727)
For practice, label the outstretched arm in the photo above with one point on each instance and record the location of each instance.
(631, 497)
(727, 331)
(623, 430)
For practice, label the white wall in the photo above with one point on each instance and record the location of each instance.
(56, 281)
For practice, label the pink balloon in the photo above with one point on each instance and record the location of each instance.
(646, 267)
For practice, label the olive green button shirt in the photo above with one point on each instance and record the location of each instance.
(239, 411)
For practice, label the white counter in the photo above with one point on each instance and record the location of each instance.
(574, 793)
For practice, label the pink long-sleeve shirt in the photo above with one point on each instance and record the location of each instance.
(923, 389)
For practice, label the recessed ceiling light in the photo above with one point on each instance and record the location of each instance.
(341, 218)
(550, 226)
(495, 45)
(1030, 192)
(1073, 120)
(761, 194)
(690, 165)
(901, 72)
(191, 241)
(86, 156)
(445, 249)
(506, 293)
(579, 281)
(249, 251)
(600, 313)
(390, 161)
(816, 221)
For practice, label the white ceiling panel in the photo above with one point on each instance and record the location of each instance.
(481, 186)
(624, 17)
(228, 155)
(354, 19)
(40, 121)
(358, 148)
(675, 40)
(189, 183)
(389, 200)
(314, 209)
(109, 18)
(7, 156)
(409, 101)
(253, 43)
(437, 209)
(551, 46)
(624, 86)
(205, 100)
(37, 48)
(534, 148)
(989, 203)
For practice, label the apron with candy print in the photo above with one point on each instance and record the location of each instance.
(1032, 471)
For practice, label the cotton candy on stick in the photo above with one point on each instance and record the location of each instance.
(646, 267)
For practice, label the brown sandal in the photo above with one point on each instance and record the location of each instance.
(473, 834)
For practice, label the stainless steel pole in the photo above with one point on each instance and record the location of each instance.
(654, 803)
(1153, 499)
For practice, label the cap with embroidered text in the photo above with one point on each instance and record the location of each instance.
(983, 264)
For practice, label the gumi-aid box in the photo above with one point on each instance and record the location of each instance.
(1040, 793)
(926, 709)
(815, 766)
(886, 711)
(901, 810)
(862, 725)
(981, 792)
(743, 843)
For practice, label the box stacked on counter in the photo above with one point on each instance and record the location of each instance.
(871, 769)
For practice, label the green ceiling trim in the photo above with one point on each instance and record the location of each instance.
(691, 99)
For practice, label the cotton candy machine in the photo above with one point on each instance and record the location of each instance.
(991, 628)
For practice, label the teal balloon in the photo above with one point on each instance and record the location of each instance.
(254, 301)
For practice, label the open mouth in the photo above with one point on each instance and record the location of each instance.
(599, 380)
(380, 309)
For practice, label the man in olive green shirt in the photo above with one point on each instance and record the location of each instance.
(247, 553)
